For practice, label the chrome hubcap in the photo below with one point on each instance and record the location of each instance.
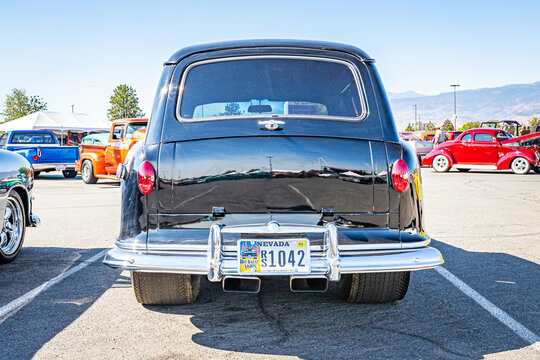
(520, 165)
(86, 171)
(440, 163)
(12, 227)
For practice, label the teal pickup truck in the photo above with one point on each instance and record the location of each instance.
(42, 150)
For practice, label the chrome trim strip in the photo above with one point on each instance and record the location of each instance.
(352, 67)
(273, 228)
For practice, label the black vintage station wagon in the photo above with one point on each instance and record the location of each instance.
(271, 158)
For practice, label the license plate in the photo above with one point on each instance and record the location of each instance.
(289, 256)
(61, 168)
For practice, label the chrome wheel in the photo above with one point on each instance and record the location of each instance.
(521, 166)
(86, 171)
(13, 228)
(441, 164)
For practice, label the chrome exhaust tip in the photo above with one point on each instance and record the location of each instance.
(309, 283)
(242, 284)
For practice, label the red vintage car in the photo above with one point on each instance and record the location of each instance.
(492, 149)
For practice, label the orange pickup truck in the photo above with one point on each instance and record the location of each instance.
(101, 161)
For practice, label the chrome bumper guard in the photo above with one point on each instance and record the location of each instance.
(332, 262)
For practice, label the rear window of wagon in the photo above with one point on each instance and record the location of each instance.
(270, 86)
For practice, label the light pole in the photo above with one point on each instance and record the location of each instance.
(415, 118)
(72, 106)
(455, 112)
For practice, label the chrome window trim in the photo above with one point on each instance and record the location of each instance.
(358, 79)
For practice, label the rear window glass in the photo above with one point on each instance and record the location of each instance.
(131, 128)
(483, 137)
(32, 138)
(270, 86)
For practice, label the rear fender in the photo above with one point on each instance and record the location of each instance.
(97, 159)
(506, 160)
(410, 201)
(428, 159)
(28, 153)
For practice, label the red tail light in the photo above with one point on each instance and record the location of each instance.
(146, 178)
(35, 158)
(400, 175)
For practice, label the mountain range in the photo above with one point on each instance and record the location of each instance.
(511, 102)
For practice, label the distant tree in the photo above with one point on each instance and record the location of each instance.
(232, 108)
(37, 104)
(470, 125)
(534, 121)
(410, 127)
(447, 125)
(124, 103)
(18, 104)
(430, 126)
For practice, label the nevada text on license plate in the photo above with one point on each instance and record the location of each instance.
(274, 256)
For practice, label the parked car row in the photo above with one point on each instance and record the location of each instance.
(422, 142)
(100, 158)
(97, 156)
(488, 149)
(262, 159)
(42, 150)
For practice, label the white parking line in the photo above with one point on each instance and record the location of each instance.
(18, 303)
(495, 311)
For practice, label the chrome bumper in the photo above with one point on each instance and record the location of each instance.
(42, 167)
(331, 262)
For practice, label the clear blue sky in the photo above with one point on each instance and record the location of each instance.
(75, 52)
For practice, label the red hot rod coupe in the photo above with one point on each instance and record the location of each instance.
(490, 149)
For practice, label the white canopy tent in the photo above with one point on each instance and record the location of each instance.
(58, 122)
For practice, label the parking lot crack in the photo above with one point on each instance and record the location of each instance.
(273, 319)
(431, 341)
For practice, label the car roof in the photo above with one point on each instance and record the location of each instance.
(126, 121)
(488, 130)
(267, 43)
(31, 131)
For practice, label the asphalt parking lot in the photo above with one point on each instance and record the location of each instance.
(486, 224)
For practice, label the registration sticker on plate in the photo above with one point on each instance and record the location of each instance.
(274, 256)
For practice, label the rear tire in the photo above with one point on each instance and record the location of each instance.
(520, 166)
(87, 172)
(165, 289)
(463, 170)
(441, 163)
(374, 288)
(69, 174)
